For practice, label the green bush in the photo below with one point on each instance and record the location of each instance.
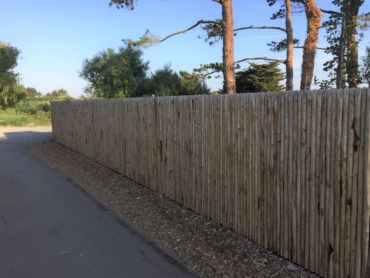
(43, 107)
(31, 106)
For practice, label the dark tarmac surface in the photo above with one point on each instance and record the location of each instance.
(50, 227)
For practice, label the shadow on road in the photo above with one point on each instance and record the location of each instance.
(25, 135)
(28, 137)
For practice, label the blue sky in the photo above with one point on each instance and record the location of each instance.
(56, 36)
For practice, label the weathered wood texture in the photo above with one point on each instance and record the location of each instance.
(288, 170)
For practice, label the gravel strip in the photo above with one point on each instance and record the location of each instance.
(204, 246)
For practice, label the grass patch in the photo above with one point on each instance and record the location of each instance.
(10, 117)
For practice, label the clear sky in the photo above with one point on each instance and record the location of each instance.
(55, 36)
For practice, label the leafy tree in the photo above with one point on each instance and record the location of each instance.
(8, 78)
(260, 78)
(115, 74)
(58, 94)
(166, 82)
(32, 93)
(191, 84)
(365, 69)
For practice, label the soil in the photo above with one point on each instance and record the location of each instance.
(204, 246)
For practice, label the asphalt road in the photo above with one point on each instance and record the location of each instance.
(49, 227)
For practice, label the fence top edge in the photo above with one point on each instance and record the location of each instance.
(246, 95)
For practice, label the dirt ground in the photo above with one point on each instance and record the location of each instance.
(204, 246)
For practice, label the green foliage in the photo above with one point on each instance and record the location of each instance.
(191, 84)
(11, 95)
(214, 32)
(9, 117)
(339, 37)
(281, 45)
(365, 69)
(115, 74)
(32, 93)
(8, 79)
(8, 57)
(260, 78)
(60, 94)
(324, 84)
(166, 82)
(280, 14)
(32, 106)
(120, 4)
(145, 41)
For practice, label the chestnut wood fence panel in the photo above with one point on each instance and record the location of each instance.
(288, 170)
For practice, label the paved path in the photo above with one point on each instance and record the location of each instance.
(49, 227)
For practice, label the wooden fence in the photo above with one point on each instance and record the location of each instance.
(288, 170)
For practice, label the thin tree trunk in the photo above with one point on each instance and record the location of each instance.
(340, 66)
(313, 15)
(351, 9)
(289, 51)
(228, 47)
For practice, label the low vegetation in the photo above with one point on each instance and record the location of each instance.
(10, 117)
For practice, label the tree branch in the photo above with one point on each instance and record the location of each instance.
(261, 58)
(212, 72)
(331, 12)
(318, 48)
(190, 28)
(217, 1)
(260, 27)
(248, 59)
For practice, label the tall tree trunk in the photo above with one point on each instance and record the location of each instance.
(341, 64)
(351, 9)
(352, 63)
(313, 15)
(289, 51)
(228, 47)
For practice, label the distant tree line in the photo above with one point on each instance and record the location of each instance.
(123, 73)
(12, 93)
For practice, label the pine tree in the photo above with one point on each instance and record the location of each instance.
(260, 78)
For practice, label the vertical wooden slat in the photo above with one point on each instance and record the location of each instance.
(293, 169)
(321, 208)
(360, 207)
(222, 158)
(336, 181)
(356, 124)
(268, 162)
(316, 181)
(298, 183)
(343, 173)
(250, 173)
(307, 180)
(255, 167)
(258, 169)
(365, 261)
(283, 162)
(347, 270)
